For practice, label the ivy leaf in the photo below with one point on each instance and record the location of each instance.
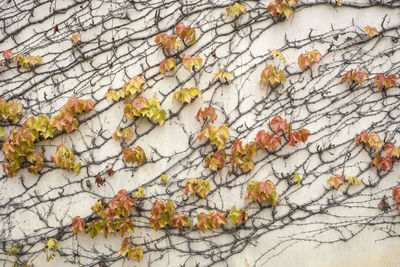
(78, 225)
(217, 218)
(336, 180)
(110, 172)
(164, 178)
(392, 150)
(99, 181)
(76, 38)
(272, 75)
(383, 81)
(297, 178)
(396, 193)
(190, 61)
(294, 137)
(236, 216)
(262, 191)
(353, 180)
(180, 220)
(278, 124)
(202, 221)
(277, 52)
(302, 61)
(7, 54)
(371, 31)
(167, 65)
(208, 112)
(186, 33)
(235, 10)
(167, 41)
(216, 160)
(308, 58)
(187, 94)
(223, 76)
(137, 155)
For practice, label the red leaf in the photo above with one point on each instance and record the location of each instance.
(7, 54)
(396, 193)
(294, 137)
(110, 172)
(55, 29)
(278, 124)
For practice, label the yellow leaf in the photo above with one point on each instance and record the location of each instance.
(277, 52)
(371, 31)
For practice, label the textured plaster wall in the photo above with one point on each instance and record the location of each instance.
(118, 44)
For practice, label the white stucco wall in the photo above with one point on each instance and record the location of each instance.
(353, 233)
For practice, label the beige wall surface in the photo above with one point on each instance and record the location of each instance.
(312, 224)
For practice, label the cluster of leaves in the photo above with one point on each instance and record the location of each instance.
(9, 111)
(374, 141)
(382, 163)
(371, 139)
(135, 85)
(352, 75)
(141, 107)
(224, 77)
(114, 217)
(217, 135)
(51, 248)
(272, 75)
(385, 82)
(337, 179)
(243, 156)
(237, 216)
(65, 158)
(190, 62)
(216, 160)
(130, 251)
(353, 180)
(262, 191)
(281, 9)
(186, 33)
(235, 10)
(124, 134)
(139, 193)
(371, 31)
(197, 186)
(187, 94)
(271, 142)
(168, 41)
(206, 112)
(15, 251)
(212, 220)
(308, 59)
(167, 65)
(163, 215)
(19, 146)
(132, 156)
(137, 106)
(396, 196)
(24, 61)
